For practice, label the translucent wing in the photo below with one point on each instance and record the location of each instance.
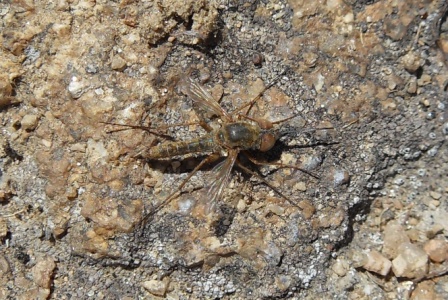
(203, 99)
(214, 189)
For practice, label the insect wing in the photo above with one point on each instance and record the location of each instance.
(203, 99)
(221, 175)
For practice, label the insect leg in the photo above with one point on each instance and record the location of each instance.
(251, 103)
(279, 165)
(149, 129)
(178, 190)
(265, 124)
(205, 125)
(248, 171)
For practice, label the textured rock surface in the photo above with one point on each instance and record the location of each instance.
(365, 80)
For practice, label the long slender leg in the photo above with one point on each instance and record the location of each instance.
(279, 165)
(265, 124)
(353, 122)
(149, 129)
(178, 190)
(248, 171)
(205, 126)
(251, 103)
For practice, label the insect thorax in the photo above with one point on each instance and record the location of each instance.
(240, 135)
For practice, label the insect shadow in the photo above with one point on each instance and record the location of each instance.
(235, 135)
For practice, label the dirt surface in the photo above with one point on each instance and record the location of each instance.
(365, 82)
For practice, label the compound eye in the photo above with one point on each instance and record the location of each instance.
(267, 142)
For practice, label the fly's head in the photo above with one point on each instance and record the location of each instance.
(267, 135)
(267, 141)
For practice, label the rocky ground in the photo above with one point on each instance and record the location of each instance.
(366, 85)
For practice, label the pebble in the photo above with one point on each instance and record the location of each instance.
(425, 102)
(413, 234)
(118, 63)
(300, 186)
(348, 282)
(43, 272)
(275, 209)
(204, 75)
(389, 103)
(340, 177)
(283, 282)
(424, 80)
(5, 92)
(377, 263)
(227, 75)
(425, 291)
(393, 236)
(310, 59)
(437, 250)
(76, 88)
(411, 261)
(61, 224)
(340, 267)
(411, 62)
(212, 243)
(46, 143)
(443, 44)
(257, 59)
(3, 228)
(29, 122)
(156, 287)
(5, 101)
(5, 87)
(308, 208)
(35, 293)
(435, 195)
(186, 205)
(272, 254)
(434, 230)
(95, 108)
(445, 128)
(391, 84)
(241, 206)
(411, 86)
(5, 269)
(348, 18)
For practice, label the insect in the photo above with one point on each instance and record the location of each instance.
(237, 134)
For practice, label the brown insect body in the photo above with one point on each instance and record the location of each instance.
(170, 149)
(237, 135)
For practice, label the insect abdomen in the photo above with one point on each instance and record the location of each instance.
(169, 149)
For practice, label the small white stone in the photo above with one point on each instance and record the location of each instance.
(411, 262)
(76, 88)
(156, 287)
(377, 263)
(340, 267)
(29, 122)
(300, 186)
(348, 18)
(241, 206)
(118, 63)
